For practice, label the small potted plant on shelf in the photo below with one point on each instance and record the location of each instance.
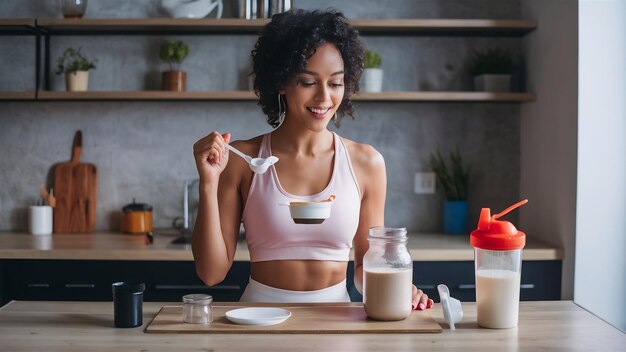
(174, 52)
(76, 68)
(454, 179)
(372, 73)
(492, 70)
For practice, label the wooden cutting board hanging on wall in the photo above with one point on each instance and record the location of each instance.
(75, 186)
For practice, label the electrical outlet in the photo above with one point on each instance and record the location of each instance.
(424, 183)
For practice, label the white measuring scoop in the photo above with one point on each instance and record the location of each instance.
(258, 165)
(452, 310)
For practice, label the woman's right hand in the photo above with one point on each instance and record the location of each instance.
(211, 156)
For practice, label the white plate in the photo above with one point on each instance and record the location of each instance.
(258, 315)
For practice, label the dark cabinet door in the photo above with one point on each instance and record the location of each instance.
(91, 280)
(169, 280)
(541, 280)
(175, 279)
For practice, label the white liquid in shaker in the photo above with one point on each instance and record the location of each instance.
(497, 298)
(388, 293)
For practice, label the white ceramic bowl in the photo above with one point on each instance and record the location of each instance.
(310, 212)
(192, 9)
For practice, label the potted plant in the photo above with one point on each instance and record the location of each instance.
(174, 52)
(454, 179)
(492, 70)
(372, 73)
(76, 68)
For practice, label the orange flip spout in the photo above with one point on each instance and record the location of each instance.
(509, 209)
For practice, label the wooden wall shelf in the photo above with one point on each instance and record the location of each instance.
(123, 26)
(446, 96)
(145, 95)
(235, 25)
(17, 26)
(6, 95)
(250, 96)
(445, 26)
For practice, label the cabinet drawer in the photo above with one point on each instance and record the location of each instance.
(49, 280)
(541, 280)
(91, 280)
(176, 279)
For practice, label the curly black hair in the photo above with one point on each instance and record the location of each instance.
(286, 43)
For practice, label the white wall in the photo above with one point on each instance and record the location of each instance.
(549, 128)
(600, 280)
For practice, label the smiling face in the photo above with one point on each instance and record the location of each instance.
(315, 94)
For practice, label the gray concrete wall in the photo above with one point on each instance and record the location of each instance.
(143, 149)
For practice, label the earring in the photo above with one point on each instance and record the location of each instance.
(335, 117)
(281, 110)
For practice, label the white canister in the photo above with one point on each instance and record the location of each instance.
(40, 219)
(372, 80)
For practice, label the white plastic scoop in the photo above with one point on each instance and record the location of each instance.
(452, 309)
(257, 165)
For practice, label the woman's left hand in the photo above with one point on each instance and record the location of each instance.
(420, 300)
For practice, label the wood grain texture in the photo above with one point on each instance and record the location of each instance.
(341, 318)
(119, 246)
(238, 25)
(8, 95)
(88, 326)
(75, 187)
(513, 97)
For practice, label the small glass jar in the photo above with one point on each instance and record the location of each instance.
(387, 275)
(197, 308)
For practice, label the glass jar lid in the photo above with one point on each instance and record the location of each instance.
(389, 234)
(197, 298)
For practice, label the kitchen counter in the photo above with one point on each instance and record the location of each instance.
(88, 326)
(118, 246)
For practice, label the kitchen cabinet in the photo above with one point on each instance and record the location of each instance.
(90, 280)
(47, 28)
(82, 267)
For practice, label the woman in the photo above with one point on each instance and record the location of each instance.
(306, 66)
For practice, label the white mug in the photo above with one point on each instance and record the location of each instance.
(40, 219)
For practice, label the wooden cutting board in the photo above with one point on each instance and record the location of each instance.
(306, 318)
(75, 186)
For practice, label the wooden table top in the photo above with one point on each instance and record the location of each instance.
(88, 326)
(118, 246)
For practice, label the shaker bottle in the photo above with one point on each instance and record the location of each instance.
(498, 264)
(387, 275)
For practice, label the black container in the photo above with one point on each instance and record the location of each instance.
(128, 304)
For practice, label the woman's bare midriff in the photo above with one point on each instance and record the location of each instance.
(299, 275)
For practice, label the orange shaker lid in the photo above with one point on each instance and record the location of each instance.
(497, 235)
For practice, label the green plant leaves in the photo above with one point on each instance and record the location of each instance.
(454, 179)
(73, 60)
(372, 60)
(174, 52)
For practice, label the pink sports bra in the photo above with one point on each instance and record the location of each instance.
(271, 233)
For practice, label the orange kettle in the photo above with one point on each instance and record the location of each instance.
(137, 218)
